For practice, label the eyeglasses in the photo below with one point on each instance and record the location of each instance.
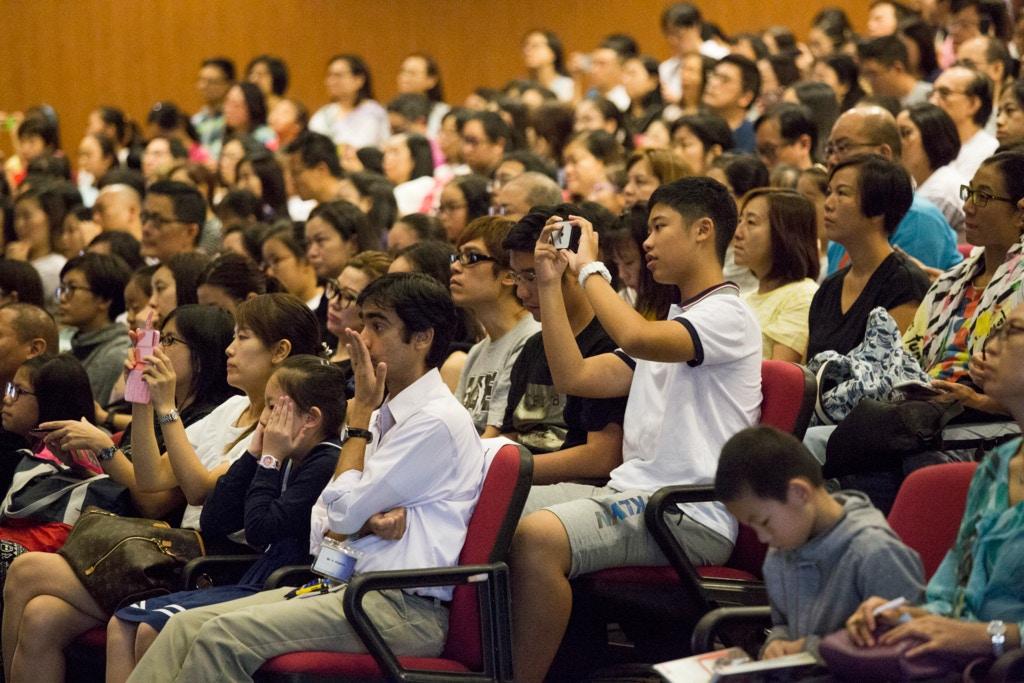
(500, 210)
(169, 340)
(156, 220)
(979, 197)
(333, 290)
(524, 275)
(945, 93)
(470, 258)
(450, 208)
(843, 146)
(13, 391)
(68, 291)
(1002, 332)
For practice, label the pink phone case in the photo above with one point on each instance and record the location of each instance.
(135, 388)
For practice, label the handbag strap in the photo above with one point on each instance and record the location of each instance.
(53, 497)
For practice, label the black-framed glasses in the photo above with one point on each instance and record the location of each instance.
(333, 290)
(980, 197)
(68, 291)
(524, 275)
(156, 220)
(13, 391)
(169, 340)
(842, 147)
(470, 258)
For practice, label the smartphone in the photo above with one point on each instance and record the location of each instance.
(135, 388)
(40, 433)
(566, 235)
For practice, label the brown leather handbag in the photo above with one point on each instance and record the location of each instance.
(121, 560)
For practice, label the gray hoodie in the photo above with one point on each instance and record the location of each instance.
(102, 354)
(815, 588)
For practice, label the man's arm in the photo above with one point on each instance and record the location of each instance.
(592, 460)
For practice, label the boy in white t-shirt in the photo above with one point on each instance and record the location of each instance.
(692, 380)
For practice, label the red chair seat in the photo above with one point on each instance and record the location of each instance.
(726, 574)
(94, 637)
(354, 665)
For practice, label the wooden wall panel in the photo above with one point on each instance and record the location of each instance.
(77, 54)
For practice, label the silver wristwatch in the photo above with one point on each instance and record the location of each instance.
(170, 417)
(997, 631)
(594, 268)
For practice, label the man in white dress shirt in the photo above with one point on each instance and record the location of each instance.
(966, 95)
(418, 451)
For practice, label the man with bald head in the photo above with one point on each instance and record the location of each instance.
(515, 198)
(966, 95)
(26, 331)
(118, 208)
(924, 232)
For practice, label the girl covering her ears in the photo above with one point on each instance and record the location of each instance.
(267, 493)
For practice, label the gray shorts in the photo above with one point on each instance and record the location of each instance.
(606, 528)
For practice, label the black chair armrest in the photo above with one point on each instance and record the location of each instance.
(492, 583)
(711, 624)
(1009, 667)
(654, 516)
(224, 570)
(290, 575)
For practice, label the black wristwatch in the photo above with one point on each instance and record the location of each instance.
(356, 433)
(105, 454)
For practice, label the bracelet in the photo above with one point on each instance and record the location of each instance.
(171, 416)
(356, 433)
(594, 268)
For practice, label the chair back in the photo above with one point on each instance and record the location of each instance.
(488, 539)
(788, 392)
(928, 528)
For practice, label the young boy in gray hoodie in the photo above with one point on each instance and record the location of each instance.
(828, 552)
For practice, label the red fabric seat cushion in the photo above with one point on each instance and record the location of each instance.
(349, 665)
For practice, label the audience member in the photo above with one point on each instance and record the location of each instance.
(228, 280)
(412, 229)
(647, 170)
(733, 85)
(700, 139)
(172, 217)
(119, 208)
(515, 198)
(787, 134)
(216, 75)
(930, 146)
(421, 75)
(352, 118)
(485, 140)
(20, 283)
(966, 95)
(464, 199)
(885, 66)
(176, 283)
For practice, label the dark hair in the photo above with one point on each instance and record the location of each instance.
(266, 168)
(922, 34)
(757, 44)
(61, 386)
(255, 104)
(885, 188)
(253, 236)
(107, 149)
(55, 198)
(833, 22)
(848, 73)
(821, 103)
(886, 50)
(785, 41)
(421, 303)
(278, 72)
(239, 276)
(697, 197)
(710, 129)
(1011, 167)
(749, 75)
(207, 332)
(784, 66)
(348, 221)
(143, 278)
(358, 68)
(794, 120)
(762, 461)
(552, 122)
(188, 204)
(939, 138)
(744, 172)
(422, 155)
(413, 106)
(168, 118)
(793, 226)
(610, 112)
(526, 231)
(122, 245)
(124, 176)
(427, 228)
(476, 189)
(431, 257)
(383, 207)
(22, 278)
(112, 116)
(652, 298)
(290, 237)
(242, 204)
(311, 382)
(313, 149)
(436, 93)
(47, 167)
(555, 45)
(980, 86)
(494, 127)
(106, 276)
(602, 145)
(226, 66)
(372, 159)
(41, 127)
(273, 317)
(622, 44)
(680, 15)
(186, 268)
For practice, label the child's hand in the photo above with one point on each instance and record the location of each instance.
(781, 648)
(256, 442)
(284, 431)
(862, 624)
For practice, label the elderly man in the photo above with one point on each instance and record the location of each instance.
(966, 95)
(118, 208)
(516, 197)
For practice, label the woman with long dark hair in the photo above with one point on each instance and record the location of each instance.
(352, 118)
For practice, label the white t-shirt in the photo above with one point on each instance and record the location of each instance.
(411, 194)
(974, 151)
(209, 437)
(679, 415)
(942, 188)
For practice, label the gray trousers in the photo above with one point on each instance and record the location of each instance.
(230, 641)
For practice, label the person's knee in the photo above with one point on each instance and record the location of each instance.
(540, 541)
(144, 637)
(39, 623)
(21, 575)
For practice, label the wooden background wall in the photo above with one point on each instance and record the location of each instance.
(77, 54)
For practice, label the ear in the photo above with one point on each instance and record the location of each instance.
(314, 417)
(423, 340)
(280, 351)
(713, 153)
(37, 347)
(193, 231)
(250, 295)
(746, 99)
(799, 491)
(886, 151)
(507, 279)
(704, 230)
(804, 141)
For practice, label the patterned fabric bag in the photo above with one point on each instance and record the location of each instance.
(871, 370)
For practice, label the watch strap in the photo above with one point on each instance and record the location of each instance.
(107, 453)
(594, 268)
(270, 462)
(171, 416)
(357, 433)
